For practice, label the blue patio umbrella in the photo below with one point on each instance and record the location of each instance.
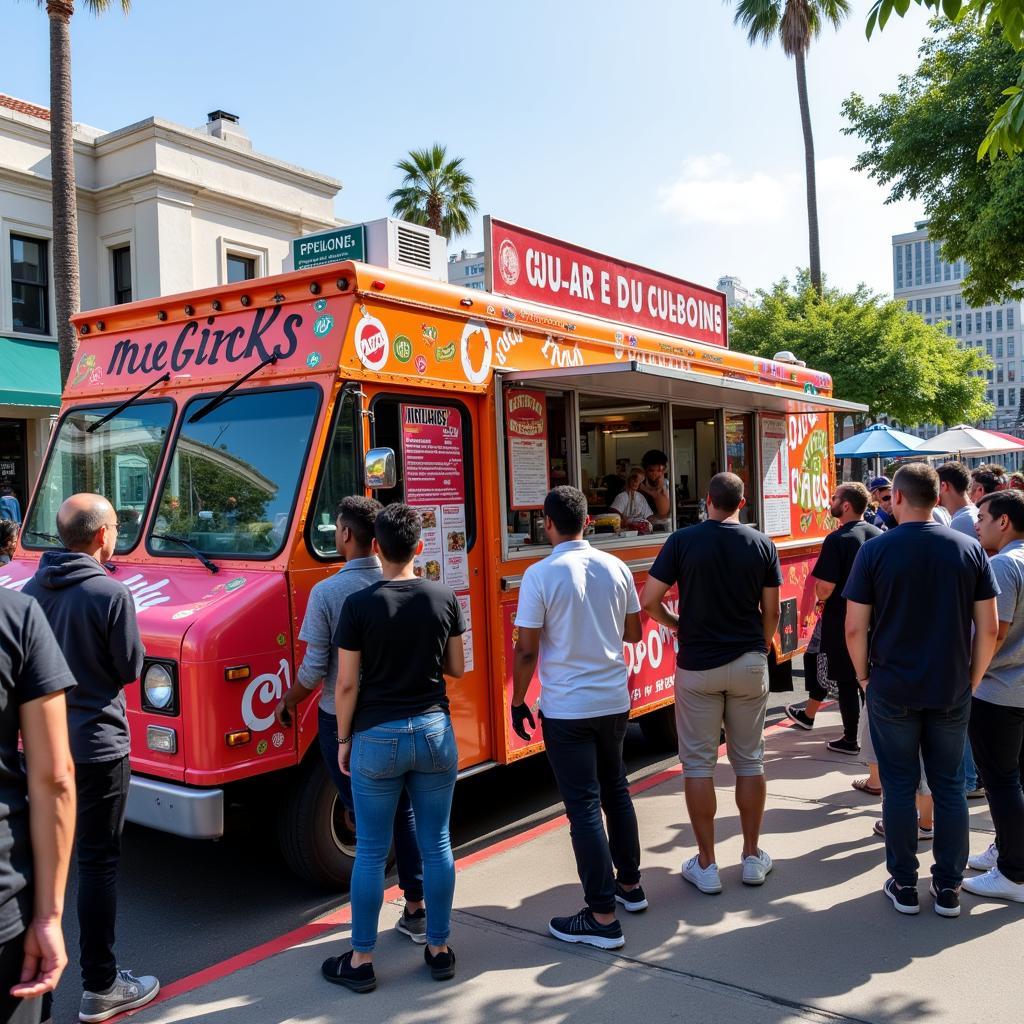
(882, 441)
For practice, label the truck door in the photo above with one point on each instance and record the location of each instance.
(433, 439)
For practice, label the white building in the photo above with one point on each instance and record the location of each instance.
(161, 209)
(735, 292)
(931, 287)
(466, 269)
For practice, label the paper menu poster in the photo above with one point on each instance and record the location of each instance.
(775, 476)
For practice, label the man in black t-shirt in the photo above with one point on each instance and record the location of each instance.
(728, 577)
(832, 569)
(920, 588)
(33, 867)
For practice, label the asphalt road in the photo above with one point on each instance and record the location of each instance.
(185, 905)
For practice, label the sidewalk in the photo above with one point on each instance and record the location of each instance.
(817, 943)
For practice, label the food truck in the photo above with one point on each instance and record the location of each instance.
(225, 425)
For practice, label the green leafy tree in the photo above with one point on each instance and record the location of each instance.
(1004, 132)
(876, 351)
(66, 288)
(795, 24)
(435, 192)
(921, 143)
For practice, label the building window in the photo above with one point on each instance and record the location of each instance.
(1000, 397)
(958, 270)
(122, 266)
(938, 263)
(30, 290)
(999, 319)
(947, 271)
(919, 306)
(240, 268)
(917, 263)
(988, 346)
(928, 305)
(899, 266)
(988, 397)
(1009, 318)
(927, 262)
(958, 301)
(999, 375)
(1011, 373)
(1010, 347)
(959, 326)
(910, 305)
(977, 323)
(999, 348)
(969, 323)
(1012, 396)
(948, 303)
(988, 320)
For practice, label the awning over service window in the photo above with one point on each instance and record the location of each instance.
(29, 373)
(630, 379)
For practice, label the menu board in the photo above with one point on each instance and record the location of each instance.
(528, 463)
(435, 484)
(775, 475)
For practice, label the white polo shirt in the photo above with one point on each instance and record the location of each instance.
(578, 597)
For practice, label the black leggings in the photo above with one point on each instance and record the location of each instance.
(851, 697)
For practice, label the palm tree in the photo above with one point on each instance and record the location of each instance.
(795, 23)
(435, 192)
(62, 172)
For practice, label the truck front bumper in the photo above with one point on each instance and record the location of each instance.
(180, 810)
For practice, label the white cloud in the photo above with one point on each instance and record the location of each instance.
(710, 191)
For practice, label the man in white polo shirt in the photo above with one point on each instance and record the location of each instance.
(576, 607)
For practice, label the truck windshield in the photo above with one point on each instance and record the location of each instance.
(118, 460)
(231, 482)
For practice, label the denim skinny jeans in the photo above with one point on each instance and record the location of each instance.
(418, 754)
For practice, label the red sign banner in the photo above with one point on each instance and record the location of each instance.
(525, 265)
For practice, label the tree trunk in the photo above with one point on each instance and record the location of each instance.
(434, 212)
(812, 189)
(62, 176)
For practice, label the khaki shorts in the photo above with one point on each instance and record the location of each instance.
(734, 695)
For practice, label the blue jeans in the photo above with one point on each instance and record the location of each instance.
(903, 737)
(420, 755)
(407, 850)
(970, 769)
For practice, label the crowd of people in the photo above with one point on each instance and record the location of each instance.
(920, 638)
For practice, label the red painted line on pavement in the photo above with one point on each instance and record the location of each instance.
(343, 915)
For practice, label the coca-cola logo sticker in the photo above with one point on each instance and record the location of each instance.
(372, 345)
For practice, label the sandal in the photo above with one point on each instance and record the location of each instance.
(863, 787)
(338, 970)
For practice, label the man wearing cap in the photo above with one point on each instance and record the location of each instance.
(881, 496)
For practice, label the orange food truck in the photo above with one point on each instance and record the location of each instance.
(225, 425)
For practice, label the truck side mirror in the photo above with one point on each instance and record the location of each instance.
(380, 469)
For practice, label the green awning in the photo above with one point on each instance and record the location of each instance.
(29, 373)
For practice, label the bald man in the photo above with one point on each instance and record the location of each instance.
(93, 618)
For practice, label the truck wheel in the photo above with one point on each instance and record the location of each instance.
(659, 728)
(315, 830)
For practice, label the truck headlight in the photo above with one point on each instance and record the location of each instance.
(159, 687)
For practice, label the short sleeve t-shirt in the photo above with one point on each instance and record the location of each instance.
(578, 597)
(963, 521)
(31, 666)
(1003, 682)
(632, 506)
(720, 569)
(838, 551)
(922, 581)
(400, 627)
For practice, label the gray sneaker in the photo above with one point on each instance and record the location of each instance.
(127, 993)
(414, 925)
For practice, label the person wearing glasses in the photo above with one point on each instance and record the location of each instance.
(881, 495)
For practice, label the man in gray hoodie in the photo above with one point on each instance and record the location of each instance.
(93, 618)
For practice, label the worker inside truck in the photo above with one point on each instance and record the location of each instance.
(601, 443)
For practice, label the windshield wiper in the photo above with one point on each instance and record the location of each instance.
(185, 544)
(226, 393)
(45, 536)
(124, 405)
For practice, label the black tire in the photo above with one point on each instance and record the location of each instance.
(314, 829)
(659, 728)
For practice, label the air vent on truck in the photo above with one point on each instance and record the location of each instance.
(413, 247)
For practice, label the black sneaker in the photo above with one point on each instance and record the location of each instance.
(799, 717)
(582, 927)
(414, 925)
(632, 899)
(442, 966)
(844, 746)
(904, 897)
(338, 970)
(947, 901)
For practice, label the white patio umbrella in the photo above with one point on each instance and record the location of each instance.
(970, 441)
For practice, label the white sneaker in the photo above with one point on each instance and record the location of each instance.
(984, 861)
(706, 879)
(995, 885)
(756, 868)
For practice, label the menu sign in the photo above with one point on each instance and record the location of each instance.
(435, 484)
(529, 465)
(526, 265)
(775, 478)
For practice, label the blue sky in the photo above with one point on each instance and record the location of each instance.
(648, 130)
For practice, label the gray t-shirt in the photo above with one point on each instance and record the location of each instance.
(326, 600)
(964, 519)
(1003, 683)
